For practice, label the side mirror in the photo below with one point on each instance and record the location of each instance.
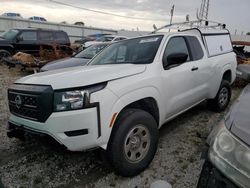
(174, 59)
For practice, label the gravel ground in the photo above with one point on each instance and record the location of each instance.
(40, 163)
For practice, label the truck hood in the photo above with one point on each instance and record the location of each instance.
(65, 63)
(82, 75)
(238, 121)
(4, 41)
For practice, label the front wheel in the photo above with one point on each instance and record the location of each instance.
(222, 99)
(133, 142)
(4, 53)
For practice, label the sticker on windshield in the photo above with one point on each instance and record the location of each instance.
(149, 40)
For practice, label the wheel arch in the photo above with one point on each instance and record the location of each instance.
(227, 76)
(225, 73)
(148, 104)
(146, 99)
(8, 48)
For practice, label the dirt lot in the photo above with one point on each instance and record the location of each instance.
(38, 163)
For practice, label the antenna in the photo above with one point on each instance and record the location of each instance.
(171, 16)
(203, 14)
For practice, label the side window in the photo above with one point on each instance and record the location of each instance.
(121, 54)
(176, 45)
(28, 35)
(195, 47)
(60, 36)
(45, 35)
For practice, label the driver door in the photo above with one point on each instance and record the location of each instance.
(178, 80)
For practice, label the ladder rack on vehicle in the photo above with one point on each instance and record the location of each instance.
(199, 24)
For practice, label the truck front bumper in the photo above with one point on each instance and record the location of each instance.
(77, 130)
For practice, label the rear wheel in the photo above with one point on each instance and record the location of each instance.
(133, 142)
(222, 99)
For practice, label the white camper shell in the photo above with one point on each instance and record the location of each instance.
(216, 41)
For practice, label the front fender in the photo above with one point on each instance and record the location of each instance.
(8, 47)
(124, 101)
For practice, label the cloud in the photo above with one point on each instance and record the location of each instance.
(235, 14)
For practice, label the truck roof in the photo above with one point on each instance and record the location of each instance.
(35, 29)
(194, 31)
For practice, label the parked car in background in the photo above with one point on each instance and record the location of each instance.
(89, 38)
(84, 39)
(228, 156)
(79, 59)
(120, 99)
(29, 40)
(37, 18)
(79, 23)
(106, 38)
(12, 14)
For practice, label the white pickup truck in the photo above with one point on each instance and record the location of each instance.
(125, 94)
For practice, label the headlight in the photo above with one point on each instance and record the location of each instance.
(69, 100)
(74, 99)
(230, 156)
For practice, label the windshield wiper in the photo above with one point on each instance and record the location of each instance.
(85, 57)
(132, 62)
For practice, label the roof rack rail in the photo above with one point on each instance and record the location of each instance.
(199, 24)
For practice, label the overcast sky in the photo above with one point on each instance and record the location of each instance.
(235, 13)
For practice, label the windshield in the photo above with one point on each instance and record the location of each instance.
(9, 35)
(90, 52)
(105, 39)
(135, 51)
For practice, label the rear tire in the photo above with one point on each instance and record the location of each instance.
(222, 99)
(133, 142)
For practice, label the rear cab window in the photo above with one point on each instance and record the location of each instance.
(195, 47)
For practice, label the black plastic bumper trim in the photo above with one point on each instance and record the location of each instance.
(77, 132)
(19, 131)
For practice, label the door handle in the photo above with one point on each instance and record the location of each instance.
(194, 69)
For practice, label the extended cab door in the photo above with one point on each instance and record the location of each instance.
(179, 80)
(203, 66)
(26, 42)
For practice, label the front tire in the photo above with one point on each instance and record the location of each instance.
(133, 142)
(4, 53)
(222, 99)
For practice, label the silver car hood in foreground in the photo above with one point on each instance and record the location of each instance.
(82, 76)
(238, 119)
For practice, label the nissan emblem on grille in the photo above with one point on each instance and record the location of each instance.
(18, 101)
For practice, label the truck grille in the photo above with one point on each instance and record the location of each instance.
(31, 101)
(23, 105)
